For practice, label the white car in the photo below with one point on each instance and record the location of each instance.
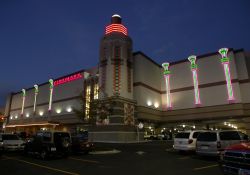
(11, 142)
(186, 140)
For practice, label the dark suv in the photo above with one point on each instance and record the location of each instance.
(48, 144)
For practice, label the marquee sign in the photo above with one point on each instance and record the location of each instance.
(68, 79)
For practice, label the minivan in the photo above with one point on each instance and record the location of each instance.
(212, 143)
(186, 140)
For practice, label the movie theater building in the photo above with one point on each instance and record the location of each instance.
(128, 87)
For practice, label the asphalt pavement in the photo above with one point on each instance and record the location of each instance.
(155, 158)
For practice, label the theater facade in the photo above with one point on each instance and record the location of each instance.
(127, 88)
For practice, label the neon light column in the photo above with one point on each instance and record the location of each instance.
(193, 67)
(51, 86)
(36, 93)
(23, 94)
(167, 79)
(225, 62)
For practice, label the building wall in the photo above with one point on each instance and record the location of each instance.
(212, 84)
(146, 73)
(65, 96)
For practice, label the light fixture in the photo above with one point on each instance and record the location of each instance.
(27, 115)
(183, 126)
(194, 126)
(11, 117)
(149, 103)
(69, 109)
(149, 127)
(58, 111)
(41, 113)
(16, 117)
(156, 104)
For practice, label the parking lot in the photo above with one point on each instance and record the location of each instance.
(155, 157)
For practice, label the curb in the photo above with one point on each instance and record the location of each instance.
(114, 151)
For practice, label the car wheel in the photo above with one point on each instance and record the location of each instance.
(43, 154)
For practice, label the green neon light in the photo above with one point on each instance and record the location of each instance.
(192, 59)
(51, 83)
(225, 60)
(23, 92)
(36, 89)
(166, 68)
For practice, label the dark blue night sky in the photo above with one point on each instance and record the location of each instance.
(42, 39)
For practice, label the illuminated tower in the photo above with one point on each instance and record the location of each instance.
(115, 65)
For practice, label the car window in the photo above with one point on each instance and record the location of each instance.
(195, 134)
(207, 137)
(10, 137)
(243, 136)
(47, 136)
(182, 135)
(61, 134)
(229, 135)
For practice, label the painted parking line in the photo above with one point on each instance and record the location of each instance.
(114, 151)
(42, 166)
(169, 149)
(205, 167)
(84, 160)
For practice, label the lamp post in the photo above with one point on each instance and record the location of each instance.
(167, 79)
(225, 62)
(193, 67)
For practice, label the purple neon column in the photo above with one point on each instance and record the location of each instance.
(167, 80)
(192, 60)
(51, 86)
(225, 62)
(23, 96)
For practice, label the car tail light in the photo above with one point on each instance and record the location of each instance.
(190, 141)
(218, 145)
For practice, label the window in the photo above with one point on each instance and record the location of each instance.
(229, 135)
(87, 105)
(47, 136)
(207, 137)
(10, 137)
(96, 89)
(195, 134)
(182, 135)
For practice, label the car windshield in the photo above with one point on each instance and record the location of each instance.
(182, 135)
(229, 135)
(195, 135)
(10, 137)
(207, 137)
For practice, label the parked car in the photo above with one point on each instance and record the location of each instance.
(186, 140)
(212, 143)
(150, 137)
(11, 142)
(1, 146)
(48, 144)
(236, 159)
(80, 144)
